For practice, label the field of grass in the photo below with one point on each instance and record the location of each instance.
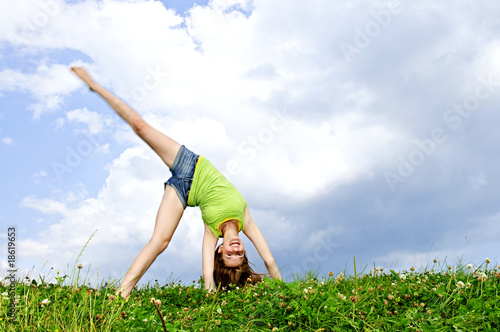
(438, 298)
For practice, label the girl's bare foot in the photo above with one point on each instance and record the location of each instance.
(84, 76)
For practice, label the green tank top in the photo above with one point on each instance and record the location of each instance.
(218, 199)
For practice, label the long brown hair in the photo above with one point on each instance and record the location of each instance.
(236, 276)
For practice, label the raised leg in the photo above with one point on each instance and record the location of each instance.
(163, 145)
(167, 219)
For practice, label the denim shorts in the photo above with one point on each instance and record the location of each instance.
(182, 173)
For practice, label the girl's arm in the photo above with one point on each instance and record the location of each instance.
(208, 255)
(253, 233)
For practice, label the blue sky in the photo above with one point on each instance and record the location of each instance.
(351, 129)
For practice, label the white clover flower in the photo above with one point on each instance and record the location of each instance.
(306, 290)
(483, 277)
(460, 284)
(46, 301)
(219, 311)
(145, 320)
(487, 260)
(469, 266)
(402, 276)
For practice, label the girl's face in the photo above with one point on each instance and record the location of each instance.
(232, 252)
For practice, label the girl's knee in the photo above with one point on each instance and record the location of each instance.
(138, 125)
(159, 245)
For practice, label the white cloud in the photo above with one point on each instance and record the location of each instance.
(7, 140)
(93, 120)
(42, 173)
(216, 85)
(46, 206)
(48, 84)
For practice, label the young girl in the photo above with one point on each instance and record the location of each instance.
(194, 182)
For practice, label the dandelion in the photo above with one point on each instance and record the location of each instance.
(487, 260)
(460, 285)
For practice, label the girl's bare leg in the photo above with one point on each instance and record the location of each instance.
(171, 209)
(169, 214)
(163, 145)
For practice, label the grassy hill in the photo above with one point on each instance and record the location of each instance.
(440, 298)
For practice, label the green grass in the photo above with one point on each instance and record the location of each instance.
(438, 298)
